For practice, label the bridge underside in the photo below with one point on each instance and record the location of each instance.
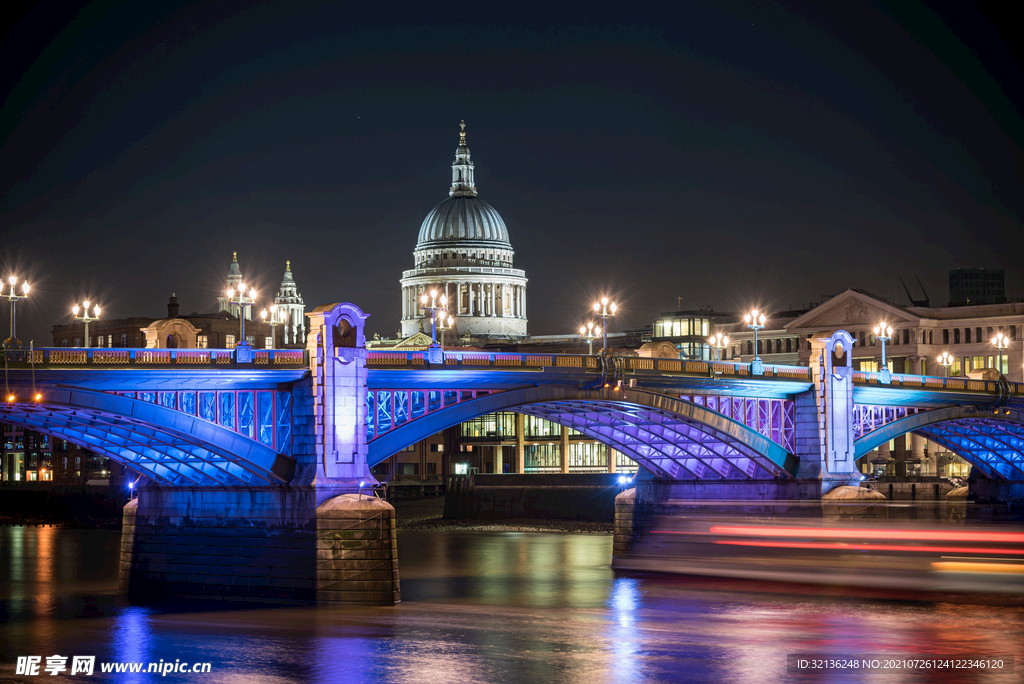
(995, 447)
(166, 446)
(674, 439)
(990, 439)
(666, 444)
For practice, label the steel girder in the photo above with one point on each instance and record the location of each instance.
(991, 439)
(166, 445)
(670, 437)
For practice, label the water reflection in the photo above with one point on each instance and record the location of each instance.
(477, 608)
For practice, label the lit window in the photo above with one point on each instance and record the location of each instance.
(229, 341)
(201, 342)
(268, 342)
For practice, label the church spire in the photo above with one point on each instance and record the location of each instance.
(462, 168)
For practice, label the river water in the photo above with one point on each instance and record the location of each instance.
(477, 607)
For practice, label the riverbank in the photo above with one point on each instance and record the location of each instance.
(428, 514)
(410, 514)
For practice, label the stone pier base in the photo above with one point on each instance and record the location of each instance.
(271, 544)
(357, 552)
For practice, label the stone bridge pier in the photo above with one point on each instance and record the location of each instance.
(318, 537)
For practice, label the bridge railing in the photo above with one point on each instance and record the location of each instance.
(131, 357)
(479, 359)
(930, 382)
(476, 359)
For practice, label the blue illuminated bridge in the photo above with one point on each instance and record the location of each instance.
(255, 465)
(197, 417)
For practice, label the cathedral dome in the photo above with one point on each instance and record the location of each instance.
(463, 219)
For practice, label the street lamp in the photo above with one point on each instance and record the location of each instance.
(589, 333)
(445, 324)
(242, 298)
(86, 318)
(13, 297)
(605, 310)
(435, 354)
(755, 321)
(272, 318)
(945, 360)
(719, 342)
(1001, 342)
(883, 333)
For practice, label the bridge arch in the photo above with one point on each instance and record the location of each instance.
(167, 446)
(990, 439)
(672, 438)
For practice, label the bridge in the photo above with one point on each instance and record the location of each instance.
(255, 470)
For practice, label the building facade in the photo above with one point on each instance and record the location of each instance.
(464, 253)
(291, 310)
(220, 330)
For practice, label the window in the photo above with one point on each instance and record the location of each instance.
(539, 427)
(124, 339)
(931, 339)
(229, 341)
(978, 363)
(65, 459)
(789, 344)
(967, 335)
(906, 336)
(268, 342)
(251, 340)
(110, 340)
(78, 341)
(862, 339)
(201, 342)
(542, 457)
(956, 335)
(977, 334)
(64, 342)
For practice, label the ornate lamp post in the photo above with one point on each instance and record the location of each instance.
(755, 321)
(445, 324)
(12, 296)
(945, 360)
(589, 333)
(720, 342)
(883, 332)
(435, 354)
(605, 310)
(1001, 342)
(86, 318)
(272, 318)
(243, 352)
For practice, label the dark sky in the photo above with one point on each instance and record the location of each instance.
(733, 155)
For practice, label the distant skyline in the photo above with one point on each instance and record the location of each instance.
(737, 155)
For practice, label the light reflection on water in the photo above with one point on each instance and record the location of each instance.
(478, 607)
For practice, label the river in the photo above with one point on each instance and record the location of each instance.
(477, 607)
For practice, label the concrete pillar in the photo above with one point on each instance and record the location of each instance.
(520, 444)
(824, 418)
(499, 459)
(613, 460)
(564, 448)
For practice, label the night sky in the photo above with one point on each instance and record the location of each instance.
(733, 155)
